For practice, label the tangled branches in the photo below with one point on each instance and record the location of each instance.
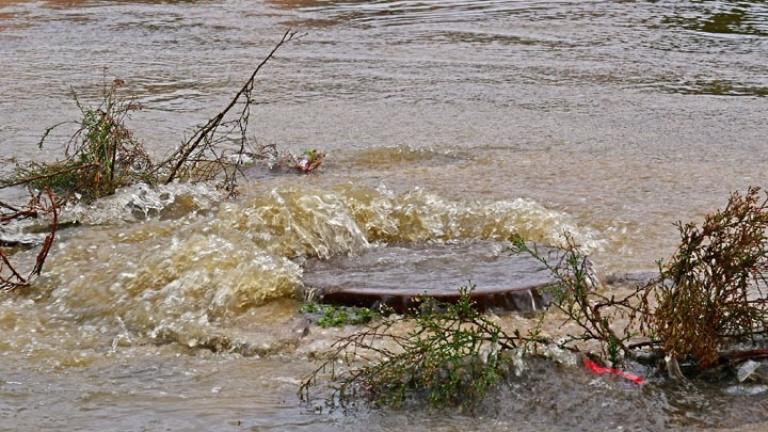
(453, 356)
(714, 293)
(10, 277)
(199, 157)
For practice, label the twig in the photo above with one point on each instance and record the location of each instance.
(8, 206)
(15, 280)
(48, 242)
(205, 134)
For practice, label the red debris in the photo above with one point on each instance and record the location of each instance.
(600, 370)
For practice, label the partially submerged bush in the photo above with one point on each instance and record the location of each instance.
(712, 290)
(709, 295)
(101, 156)
(452, 356)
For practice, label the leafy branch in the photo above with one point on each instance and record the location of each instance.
(452, 356)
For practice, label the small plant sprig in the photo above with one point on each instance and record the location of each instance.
(576, 294)
(338, 316)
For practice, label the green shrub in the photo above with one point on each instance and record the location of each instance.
(452, 356)
(101, 156)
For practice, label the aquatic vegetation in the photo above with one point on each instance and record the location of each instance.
(338, 316)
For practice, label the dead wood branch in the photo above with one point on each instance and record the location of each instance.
(10, 277)
(198, 156)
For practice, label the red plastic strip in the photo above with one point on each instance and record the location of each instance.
(600, 370)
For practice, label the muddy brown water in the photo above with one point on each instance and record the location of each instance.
(444, 121)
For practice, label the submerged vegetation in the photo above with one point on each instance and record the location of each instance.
(707, 302)
(337, 316)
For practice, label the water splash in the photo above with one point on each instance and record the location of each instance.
(141, 202)
(189, 277)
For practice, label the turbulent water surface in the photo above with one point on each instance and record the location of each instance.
(444, 121)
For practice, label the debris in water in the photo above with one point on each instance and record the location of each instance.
(753, 371)
(10, 277)
(309, 161)
(600, 370)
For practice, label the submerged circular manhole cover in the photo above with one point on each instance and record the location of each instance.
(396, 276)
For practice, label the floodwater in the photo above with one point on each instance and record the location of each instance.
(444, 121)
